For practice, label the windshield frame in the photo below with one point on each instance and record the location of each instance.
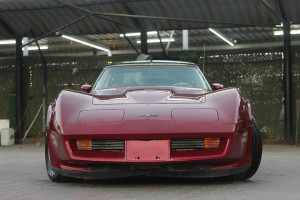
(139, 65)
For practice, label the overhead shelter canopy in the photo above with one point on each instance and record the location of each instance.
(102, 16)
(21, 18)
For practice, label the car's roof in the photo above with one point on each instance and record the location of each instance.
(151, 62)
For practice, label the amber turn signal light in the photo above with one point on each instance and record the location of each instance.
(84, 144)
(244, 137)
(53, 139)
(211, 143)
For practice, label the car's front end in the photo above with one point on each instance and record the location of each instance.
(150, 130)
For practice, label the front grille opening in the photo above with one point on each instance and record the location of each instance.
(108, 145)
(101, 145)
(187, 144)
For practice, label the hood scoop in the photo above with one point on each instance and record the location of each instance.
(149, 95)
(111, 92)
(190, 91)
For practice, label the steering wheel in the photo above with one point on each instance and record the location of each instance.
(183, 84)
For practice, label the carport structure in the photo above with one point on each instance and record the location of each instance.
(241, 23)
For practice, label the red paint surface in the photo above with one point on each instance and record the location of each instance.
(228, 116)
(195, 114)
(100, 116)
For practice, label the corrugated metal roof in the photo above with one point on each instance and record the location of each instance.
(45, 15)
(251, 20)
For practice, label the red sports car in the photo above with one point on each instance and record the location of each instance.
(152, 118)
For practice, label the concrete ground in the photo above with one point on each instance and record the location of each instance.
(23, 176)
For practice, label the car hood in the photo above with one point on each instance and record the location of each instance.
(137, 110)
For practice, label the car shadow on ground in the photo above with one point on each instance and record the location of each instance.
(144, 181)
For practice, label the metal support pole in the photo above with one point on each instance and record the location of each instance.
(297, 121)
(144, 44)
(161, 44)
(129, 41)
(44, 86)
(25, 49)
(169, 42)
(44, 90)
(185, 40)
(19, 89)
(288, 85)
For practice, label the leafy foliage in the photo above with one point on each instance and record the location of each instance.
(257, 73)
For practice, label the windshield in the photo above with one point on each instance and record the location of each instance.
(130, 76)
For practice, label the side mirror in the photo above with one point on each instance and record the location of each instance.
(216, 86)
(86, 88)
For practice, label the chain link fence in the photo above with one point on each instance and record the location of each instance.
(7, 91)
(259, 78)
(257, 74)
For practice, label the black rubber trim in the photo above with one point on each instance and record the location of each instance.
(151, 172)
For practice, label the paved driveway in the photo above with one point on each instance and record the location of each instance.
(23, 176)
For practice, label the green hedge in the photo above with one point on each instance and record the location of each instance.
(257, 73)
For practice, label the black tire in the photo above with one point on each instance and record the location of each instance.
(51, 174)
(256, 155)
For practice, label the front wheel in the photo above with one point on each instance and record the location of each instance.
(51, 174)
(256, 155)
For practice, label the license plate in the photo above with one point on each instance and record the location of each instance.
(147, 151)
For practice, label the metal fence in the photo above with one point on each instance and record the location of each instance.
(7, 91)
(257, 73)
(259, 77)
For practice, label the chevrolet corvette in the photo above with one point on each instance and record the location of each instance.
(151, 118)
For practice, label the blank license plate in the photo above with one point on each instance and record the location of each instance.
(149, 151)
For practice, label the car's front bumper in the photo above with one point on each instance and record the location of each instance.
(232, 157)
(184, 170)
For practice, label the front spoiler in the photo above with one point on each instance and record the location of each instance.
(108, 174)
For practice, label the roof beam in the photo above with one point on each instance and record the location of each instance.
(57, 29)
(4, 25)
(64, 6)
(148, 17)
(117, 25)
(280, 5)
(272, 10)
(91, 13)
(135, 21)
